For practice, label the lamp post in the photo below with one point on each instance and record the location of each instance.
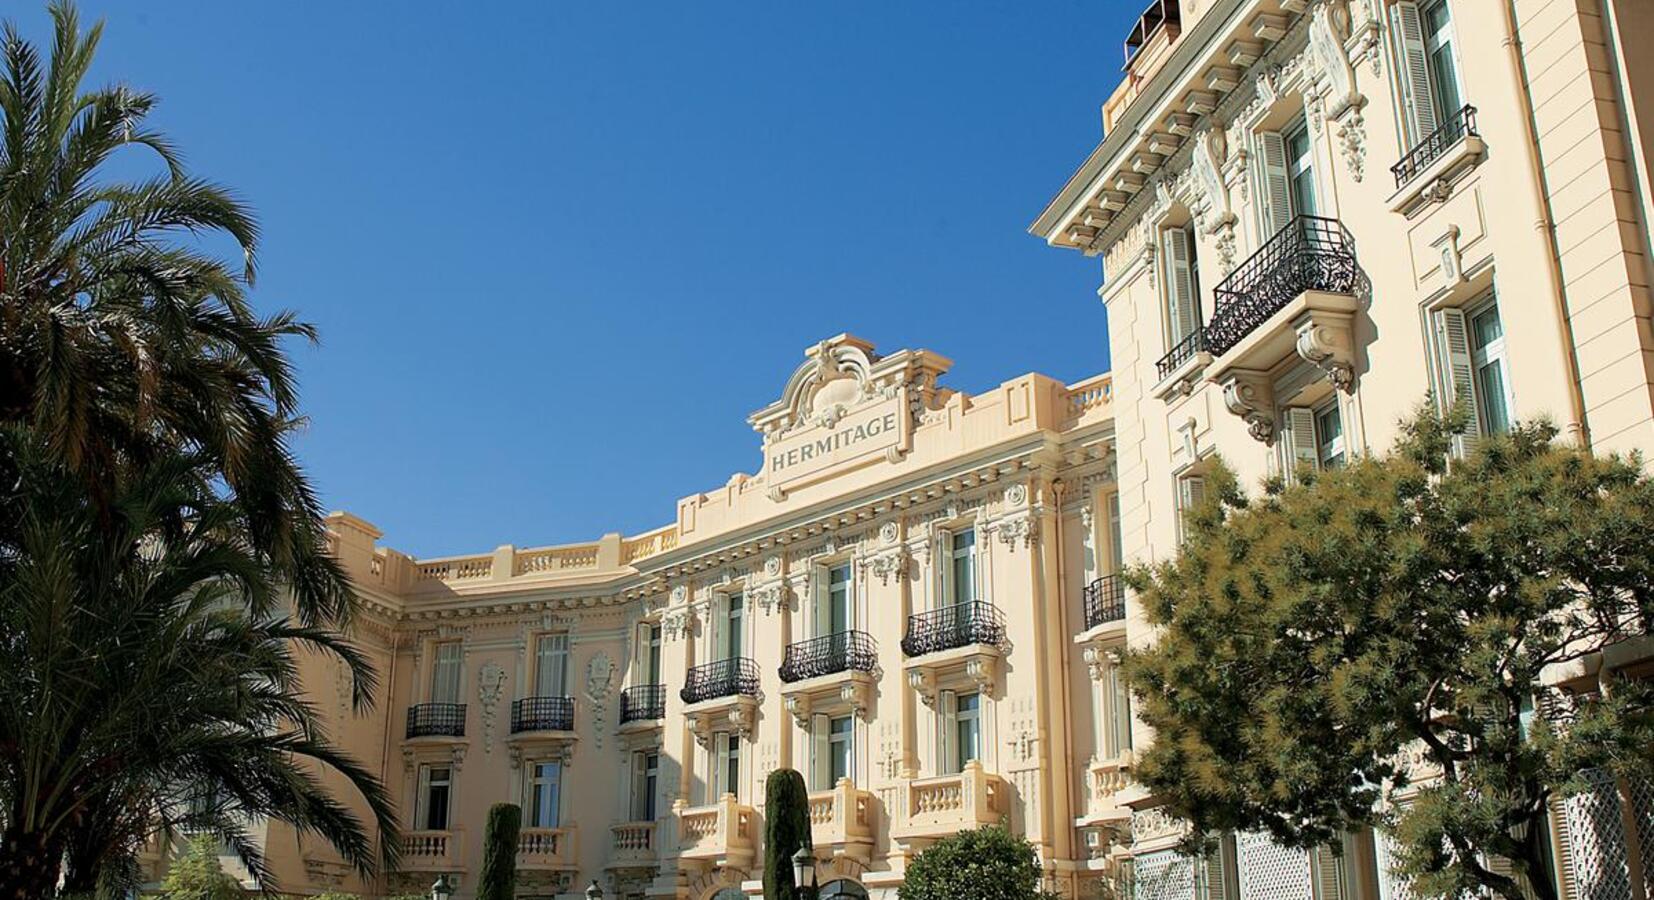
(442, 889)
(593, 892)
(804, 873)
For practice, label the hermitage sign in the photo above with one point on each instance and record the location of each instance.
(860, 433)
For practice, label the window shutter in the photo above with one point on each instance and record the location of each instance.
(942, 553)
(820, 751)
(422, 801)
(1180, 288)
(821, 614)
(947, 704)
(640, 655)
(640, 786)
(1407, 23)
(1457, 374)
(720, 765)
(1300, 443)
(1276, 185)
(1215, 877)
(1191, 491)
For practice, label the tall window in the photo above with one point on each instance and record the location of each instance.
(964, 566)
(545, 794)
(840, 743)
(551, 660)
(645, 782)
(1119, 712)
(968, 727)
(1487, 353)
(735, 608)
(1329, 436)
(1182, 290)
(1428, 74)
(445, 672)
(1300, 167)
(1438, 46)
(653, 657)
(435, 793)
(837, 615)
(726, 764)
(1191, 492)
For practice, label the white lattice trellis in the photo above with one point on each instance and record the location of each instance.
(1164, 875)
(1390, 887)
(1596, 833)
(1269, 871)
(1642, 812)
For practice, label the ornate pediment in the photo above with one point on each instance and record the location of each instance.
(845, 406)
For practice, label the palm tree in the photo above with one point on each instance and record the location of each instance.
(119, 335)
(144, 689)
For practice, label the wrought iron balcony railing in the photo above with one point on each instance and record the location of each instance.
(436, 719)
(1458, 126)
(542, 714)
(841, 651)
(1310, 254)
(720, 678)
(1181, 352)
(1105, 601)
(642, 702)
(959, 625)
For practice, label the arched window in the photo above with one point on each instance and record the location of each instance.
(843, 889)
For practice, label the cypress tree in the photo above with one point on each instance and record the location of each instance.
(786, 828)
(499, 854)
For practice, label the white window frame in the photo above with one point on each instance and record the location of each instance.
(732, 632)
(645, 784)
(960, 592)
(1115, 532)
(1435, 42)
(825, 589)
(726, 764)
(447, 683)
(551, 664)
(962, 717)
(422, 800)
(1492, 353)
(1189, 492)
(1301, 167)
(1330, 452)
(548, 815)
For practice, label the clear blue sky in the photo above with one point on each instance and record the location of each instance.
(559, 251)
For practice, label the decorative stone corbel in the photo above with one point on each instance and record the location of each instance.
(1251, 396)
(1330, 347)
(1018, 529)
(889, 564)
(923, 682)
(857, 695)
(798, 705)
(981, 669)
(742, 719)
(700, 725)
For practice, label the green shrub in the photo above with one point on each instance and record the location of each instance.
(498, 880)
(786, 828)
(196, 875)
(988, 863)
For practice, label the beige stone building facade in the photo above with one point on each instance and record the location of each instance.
(1313, 214)
(1310, 214)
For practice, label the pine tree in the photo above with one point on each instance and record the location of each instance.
(498, 880)
(786, 829)
(1382, 628)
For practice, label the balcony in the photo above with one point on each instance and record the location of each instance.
(436, 720)
(736, 676)
(1109, 787)
(1428, 170)
(937, 807)
(643, 703)
(542, 714)
(843, 651)
(1105, 601)
(632, 844)
(432, 851)
(841, 821)
(547, 848)
(1297, 294)
(954, 626)
(1176, 371)
(722, 833)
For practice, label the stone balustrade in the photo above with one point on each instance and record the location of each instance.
(722, 832)
(433, 851)
(842, 819)
(546, 848)
(942, 805)
(632, 842)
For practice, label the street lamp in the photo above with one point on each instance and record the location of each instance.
(804, 873)
(442, 889)
(593, 892)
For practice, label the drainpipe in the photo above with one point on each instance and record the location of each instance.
(383, 880)
(1578, 428)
